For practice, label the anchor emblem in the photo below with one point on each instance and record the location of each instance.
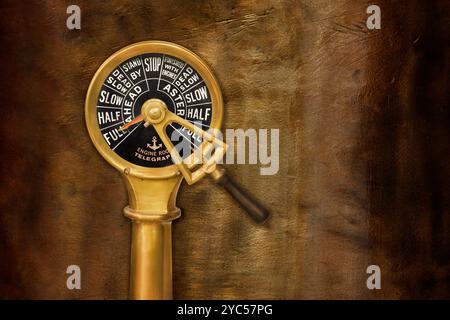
(154, 146)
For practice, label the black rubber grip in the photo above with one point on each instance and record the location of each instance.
(254, 209)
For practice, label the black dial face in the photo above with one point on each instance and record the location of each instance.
(145, 77)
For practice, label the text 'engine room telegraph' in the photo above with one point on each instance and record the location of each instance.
(152, 111)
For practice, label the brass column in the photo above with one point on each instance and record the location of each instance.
(152, 210)
(151, 260)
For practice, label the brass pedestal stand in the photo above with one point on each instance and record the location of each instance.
(152, 190)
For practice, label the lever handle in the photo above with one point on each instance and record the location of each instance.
(154, 112)
(255, 210)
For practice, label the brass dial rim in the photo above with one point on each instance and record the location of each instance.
(109, 65)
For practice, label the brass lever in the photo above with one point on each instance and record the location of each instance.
(155, 112)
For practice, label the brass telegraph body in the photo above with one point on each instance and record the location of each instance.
(143, 100)
(129, 52)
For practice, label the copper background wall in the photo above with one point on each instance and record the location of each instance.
(364, 140)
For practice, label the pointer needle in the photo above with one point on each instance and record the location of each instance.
(134, 121)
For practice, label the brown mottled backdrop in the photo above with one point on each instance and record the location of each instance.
(364, 173)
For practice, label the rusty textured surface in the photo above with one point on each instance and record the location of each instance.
(364, 173)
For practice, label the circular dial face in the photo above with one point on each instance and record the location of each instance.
(139, 79)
